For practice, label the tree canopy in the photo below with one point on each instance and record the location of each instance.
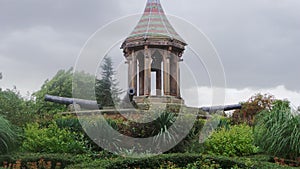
(107, 91)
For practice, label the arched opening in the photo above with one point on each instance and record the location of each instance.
(156, 69)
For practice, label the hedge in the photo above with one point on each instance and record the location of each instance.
(27, 160)
(69, 161)
(180, 160)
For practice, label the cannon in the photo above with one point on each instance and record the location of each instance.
(224, 108)
(87, 104)
(128, 100)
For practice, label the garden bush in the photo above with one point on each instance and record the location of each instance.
(51, 139)
(251, 108)
(8, 136)
(237, 141)
(191, 142)
(277, 131)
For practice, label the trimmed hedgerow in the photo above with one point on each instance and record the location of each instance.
(176, 160)
(42, 160)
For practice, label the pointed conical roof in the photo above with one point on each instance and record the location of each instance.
(153, 25)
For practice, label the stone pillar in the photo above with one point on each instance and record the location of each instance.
(166, 73)
(174, 75)
(147, 72)
(158, 82)
(178, 80)
(134, 65)
(130, 72)
(141, 76)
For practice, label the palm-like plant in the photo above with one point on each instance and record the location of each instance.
(278, 131)
(7, 136)
(162, 131)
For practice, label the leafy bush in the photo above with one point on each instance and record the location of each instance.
(16, 109)
(237, 141)
(191, 142)
(51, 140)
(69, 122)
(278, 131)
(8, 136)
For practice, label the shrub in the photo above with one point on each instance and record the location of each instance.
(16, 109)
(237, 141)
(191, 142)
(8, 136)
(51, 139)
(69, 122)
(278, 131)
(251, 108)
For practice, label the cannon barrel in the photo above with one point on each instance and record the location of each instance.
(131, 93)
(88, 104)
(224, 108)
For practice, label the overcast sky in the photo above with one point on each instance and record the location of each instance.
(258, 40)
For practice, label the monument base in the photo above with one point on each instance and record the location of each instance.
(158, 102)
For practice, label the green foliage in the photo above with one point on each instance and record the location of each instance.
(62, 158)
(191, 142)
(107, 92)
(252, 107)
(277, 131)
(174, 161)
(204, 163)
(8, 136)
(97, 126)
(51, 139)
(238, 141)
(59, 85)
(70, 123)
(15, 108)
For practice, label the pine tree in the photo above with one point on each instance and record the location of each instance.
(107, 91)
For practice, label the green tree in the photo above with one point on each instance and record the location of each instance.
(15, 108)
(59, 85)
(107, 91)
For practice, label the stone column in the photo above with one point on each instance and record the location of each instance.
(166, 73)
(147, 72)
(158, 82)
(174, 75)
(134, 65)
(130, 72)
(141, 76)
(178, 80)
